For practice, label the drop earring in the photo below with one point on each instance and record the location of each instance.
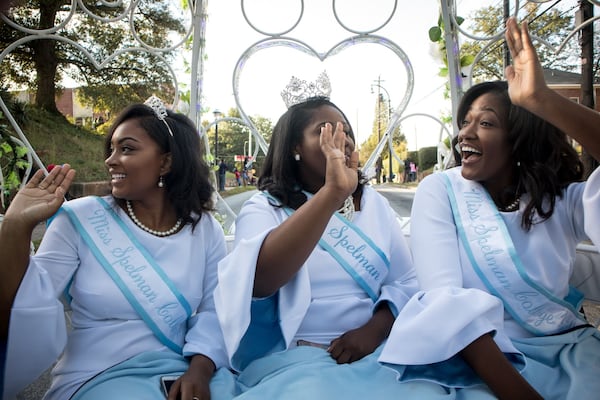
(297, 157)
(161, 182)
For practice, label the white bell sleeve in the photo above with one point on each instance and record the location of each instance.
(275, 320)
(443, 317)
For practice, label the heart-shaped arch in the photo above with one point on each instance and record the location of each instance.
(336, 49)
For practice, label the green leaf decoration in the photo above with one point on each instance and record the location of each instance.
(435, 34)
(467, 60)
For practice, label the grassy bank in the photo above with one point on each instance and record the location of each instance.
(56, 141)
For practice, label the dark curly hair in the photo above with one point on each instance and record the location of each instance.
(280, 175)
(187, 184)
(547, 161)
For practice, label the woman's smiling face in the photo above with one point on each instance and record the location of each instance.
(135, 163)
(484, 145)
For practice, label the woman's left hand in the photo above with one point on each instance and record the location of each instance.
(357, 343)
(195, 383)
(354, 344)
(340, 174)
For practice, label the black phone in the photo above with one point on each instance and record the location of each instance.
(166, 382)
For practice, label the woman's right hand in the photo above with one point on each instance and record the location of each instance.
(42, 196)
(341, 171)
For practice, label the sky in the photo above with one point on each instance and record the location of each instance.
(356, 73)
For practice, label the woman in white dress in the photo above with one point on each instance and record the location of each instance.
(138, 267)
(493, 242)
(319, 270)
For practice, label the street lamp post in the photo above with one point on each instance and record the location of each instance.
(379, 88)
(217, 114)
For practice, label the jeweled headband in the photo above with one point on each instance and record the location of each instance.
(159, 109)
(298, 91)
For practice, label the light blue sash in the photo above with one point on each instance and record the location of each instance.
(145, 285)
(366, 263)
(493, 256)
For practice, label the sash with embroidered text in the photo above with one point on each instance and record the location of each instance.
(491, 251)
(145, 285)
(366, 263)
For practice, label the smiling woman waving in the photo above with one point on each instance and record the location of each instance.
(138, 267)
(493, 242)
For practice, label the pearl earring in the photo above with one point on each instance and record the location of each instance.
(297, 157)
(518, 163)
(161, 182)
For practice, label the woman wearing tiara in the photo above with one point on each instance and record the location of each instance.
(138, 267)
(319, 269)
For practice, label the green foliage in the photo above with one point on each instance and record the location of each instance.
(413, 156)
(130, 77)
(18, 109)
(436, 35)
(12, 163)
(111, 99)
(551, 25)
(427, 157)
(103, 129)
(380, 124)
(232, 136)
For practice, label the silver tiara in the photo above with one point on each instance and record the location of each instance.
(298, 91)
(159, 109)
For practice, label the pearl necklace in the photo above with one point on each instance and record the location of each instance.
(512, 206)
(347, 210)
(151, 231)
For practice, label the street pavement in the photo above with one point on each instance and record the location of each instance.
(400, 198)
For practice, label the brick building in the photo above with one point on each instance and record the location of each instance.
(68, 105)
(569, 85)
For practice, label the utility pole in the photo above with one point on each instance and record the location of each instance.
(586, 40)
(505, 51)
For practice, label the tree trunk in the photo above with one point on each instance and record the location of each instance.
(45, 66)
(587, 74)
(45, 59)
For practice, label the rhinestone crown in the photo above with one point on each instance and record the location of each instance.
(159, 109)
(298, 91)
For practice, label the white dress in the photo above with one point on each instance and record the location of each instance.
(319, 304)
(454, 307)
(106, 328)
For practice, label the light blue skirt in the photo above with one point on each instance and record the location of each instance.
(561, 367)
(139, 378)
(565, 366)
(310, 373)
